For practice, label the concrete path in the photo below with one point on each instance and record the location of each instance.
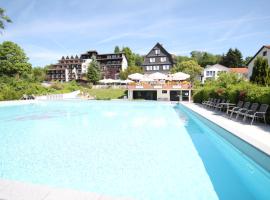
(257, 134)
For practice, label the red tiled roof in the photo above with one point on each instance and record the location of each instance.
(267, 46)
(242, 70)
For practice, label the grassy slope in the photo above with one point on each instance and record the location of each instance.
(107, 93)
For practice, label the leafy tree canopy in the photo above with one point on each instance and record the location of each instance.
(3, 18)
(93, 71)
(190, 67)
(261, 72)
(13, 60)
(205, 58)
(130, 70)
(233, 58)
(247, 59)
(116, 49)
(130, 56)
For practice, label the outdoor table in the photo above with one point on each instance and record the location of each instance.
(227, 105)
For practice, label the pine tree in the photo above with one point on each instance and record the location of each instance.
(261, 72)
(116, 49)
(233, 58)
(93, 71)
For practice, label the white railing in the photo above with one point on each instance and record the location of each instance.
(72, 95)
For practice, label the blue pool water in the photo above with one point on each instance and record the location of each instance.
(141, 150)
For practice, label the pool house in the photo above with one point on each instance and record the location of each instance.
(160, 87)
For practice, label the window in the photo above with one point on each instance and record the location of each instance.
(157, 51)
(156, 67)
(162, 59)
(164, 91)
(152, 60)
(265, 53)
(207, 73)
(166, 67)
(148, 68)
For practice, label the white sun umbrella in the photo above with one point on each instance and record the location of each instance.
(146, 79)
(158, 76)
(117, 81)
(136, 76)
(103, 81)
(179, 76)
(109, 80)
(126, 81)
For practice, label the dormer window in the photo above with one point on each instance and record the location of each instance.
(152, 60)
(265, 53)
(157, 51)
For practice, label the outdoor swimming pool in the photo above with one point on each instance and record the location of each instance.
(141, 150)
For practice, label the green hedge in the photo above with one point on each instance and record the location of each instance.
(13, 88)
(243, 91)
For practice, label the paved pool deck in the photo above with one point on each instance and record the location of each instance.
(257, 134)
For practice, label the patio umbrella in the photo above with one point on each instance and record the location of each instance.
(117, 81)
(106, 81)
(136, 76)
(158, 76)
(109, 80)
(179, 76)
(126, 81)
(146, 79)
(103, 81)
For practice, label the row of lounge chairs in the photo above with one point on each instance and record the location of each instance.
(28, 97)
(242, 109)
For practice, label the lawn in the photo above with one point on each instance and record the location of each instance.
(105, 94)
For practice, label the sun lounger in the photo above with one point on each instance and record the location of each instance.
(223, 104)
(257, 114)
(243, 111)
(215, 104)
(232, 109)
(207, 101)
(245, 107)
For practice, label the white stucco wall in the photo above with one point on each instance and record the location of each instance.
(66, 75)
(163, 96)
(124, 63)
(251, 64)
(216, 69)
(85, 65)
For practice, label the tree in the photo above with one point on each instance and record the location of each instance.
(39, 74)
(233, 58)
(93, 71)
(130, 56)
(261, 72)
(205, 58)
(138, 60)
(3, 18)
(247, 59)
(13, 60)
(225, 79)
(116, 49)
(179, 59)
(190, 67)
(130, 70)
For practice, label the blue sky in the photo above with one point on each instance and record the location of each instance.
(48, 29)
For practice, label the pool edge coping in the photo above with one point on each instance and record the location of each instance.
(255, 142)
